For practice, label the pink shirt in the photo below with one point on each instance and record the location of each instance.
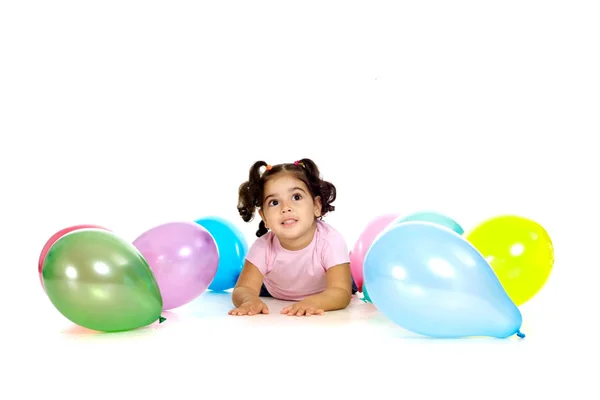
(293, 275)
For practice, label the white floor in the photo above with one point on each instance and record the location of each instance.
(356, 353)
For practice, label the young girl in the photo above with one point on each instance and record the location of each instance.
(297, 256)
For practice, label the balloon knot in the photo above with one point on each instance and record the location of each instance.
(161, 320)
(520, 334)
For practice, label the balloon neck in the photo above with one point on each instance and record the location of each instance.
(520, 334)
(161, 320)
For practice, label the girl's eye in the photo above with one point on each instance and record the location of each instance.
(296, 197)
(273, 203)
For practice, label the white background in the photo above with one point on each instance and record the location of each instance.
(470, 108)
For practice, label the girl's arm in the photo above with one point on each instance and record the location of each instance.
(248, 285)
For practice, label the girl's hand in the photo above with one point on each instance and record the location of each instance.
(251, 307)
(304, 307)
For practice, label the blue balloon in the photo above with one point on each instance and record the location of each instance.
(232, 247)
(431, 281)
(431, 216)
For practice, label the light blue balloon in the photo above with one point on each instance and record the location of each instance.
(232, 246)
(431, 281)
(431, 216)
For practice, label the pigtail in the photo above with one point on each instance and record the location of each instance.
(255, 173)
(262, 229)
(249, 192)
(312, 171)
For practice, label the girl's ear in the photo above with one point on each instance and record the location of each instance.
(318, 206)
(262, 216)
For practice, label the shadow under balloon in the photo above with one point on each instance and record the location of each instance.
(78, 331)
(209, 304)
(377, 324)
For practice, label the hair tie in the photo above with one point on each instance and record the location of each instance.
(298, 163)
(269, 167)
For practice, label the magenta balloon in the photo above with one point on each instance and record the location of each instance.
(358, 253)
(183, 257)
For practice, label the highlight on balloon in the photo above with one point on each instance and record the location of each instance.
(422, 271)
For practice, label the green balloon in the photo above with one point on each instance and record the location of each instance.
(366, 297)
(101, 282)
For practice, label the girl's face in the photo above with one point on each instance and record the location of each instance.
(289, 211)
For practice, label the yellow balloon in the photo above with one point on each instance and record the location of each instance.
(519, 251)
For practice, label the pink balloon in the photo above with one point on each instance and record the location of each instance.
(53, 240)
(358, 253)
(183, 257)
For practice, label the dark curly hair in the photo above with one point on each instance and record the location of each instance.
(251, 192)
